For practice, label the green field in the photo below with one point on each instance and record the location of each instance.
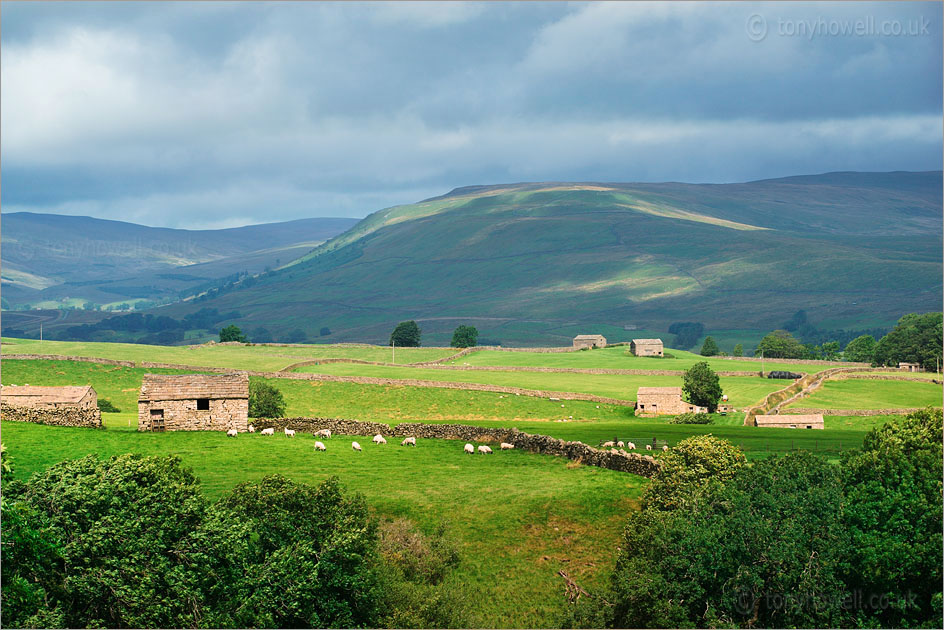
(871, 394)
(261, 358)
(742, 390)
(518, 517)
(619, 358)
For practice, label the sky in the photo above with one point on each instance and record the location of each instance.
(215, 114)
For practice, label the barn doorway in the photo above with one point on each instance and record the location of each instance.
(157, 420)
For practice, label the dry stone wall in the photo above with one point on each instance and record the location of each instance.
(635, 463)
(852, 412)
(62, 357)
(57, 416)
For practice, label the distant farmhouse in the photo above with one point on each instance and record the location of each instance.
(193, 402)
(67, 406)
(589, 341)
(787, 421)
(663, 401)
(910, 367)
(646, 347)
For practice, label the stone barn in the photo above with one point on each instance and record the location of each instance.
(589, 341)
(647, 347)
(75, 406)
(910, 367)
(194, 402)
(788, 421)
(663, 401)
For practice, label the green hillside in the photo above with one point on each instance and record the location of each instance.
(531, 263)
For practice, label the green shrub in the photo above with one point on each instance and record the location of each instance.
(265, 400)
(105, 406)
(691, 418)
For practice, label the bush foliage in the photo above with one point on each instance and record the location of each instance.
(265, 400)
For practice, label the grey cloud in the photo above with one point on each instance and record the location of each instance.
(207, 113)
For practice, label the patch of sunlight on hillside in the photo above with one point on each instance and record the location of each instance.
(676, 213)
(26, 279)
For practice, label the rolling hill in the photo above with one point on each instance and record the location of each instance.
(535, 263)
(50, 259)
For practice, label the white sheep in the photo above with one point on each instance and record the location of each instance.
(664, 448)
(410, 441)
(231, 433)
(484, 450)
(648, 447)
(505, 446)
(468, 448)
(252, 429)
(269, 431)
(319, 446)
(379, 439)
(631, 446)
(355, 446)
(289, 432)
(608, 444)
(620, 444)
(325, 433)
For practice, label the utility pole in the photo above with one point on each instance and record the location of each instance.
(40, 331)
(393, 342)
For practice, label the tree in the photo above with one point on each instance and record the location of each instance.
(797, 321)
(688, 467)
(830, 350)
(325, 331)
(893, 514)
(738, 350)
(701, 386)
(780, 345)
(861, 349)
(265, 400)
(709, 348)
(686, 334)
(406, 335)
(232, 333)
(915, 339)
(464, 337)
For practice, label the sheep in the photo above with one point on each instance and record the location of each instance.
(665, 448)
(231, 433)
(468, 448)
(631, 446)
(410, 441)
(252, 429)
(325, 433)
(608, 444)
(505, 446)
(289, 432)
(484, 450)
(319, 446)
(648, 447)
(355, 446)
(269, 431)
(620, 444)
(379, 439)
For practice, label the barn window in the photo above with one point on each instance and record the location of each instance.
(203, 404)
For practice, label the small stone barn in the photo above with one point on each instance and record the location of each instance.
(194, 402)
(589, 341)
(67, 406)
(910, 367)
(788, 421)
(663, 401)
(646, 347)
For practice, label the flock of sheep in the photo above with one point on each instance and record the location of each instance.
(629, 445)
(378, 439)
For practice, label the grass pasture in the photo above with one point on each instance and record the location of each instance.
(742, 390)
(619, 358)
(517, 517)
(871, 394)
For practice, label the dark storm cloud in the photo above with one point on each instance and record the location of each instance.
(205, 114)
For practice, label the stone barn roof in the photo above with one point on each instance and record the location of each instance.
(36, 394)
(659, 391)
(647, 342)
(588, 337)
(191, 386)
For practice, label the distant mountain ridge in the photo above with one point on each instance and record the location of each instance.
(532, 262)
(48, 257)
